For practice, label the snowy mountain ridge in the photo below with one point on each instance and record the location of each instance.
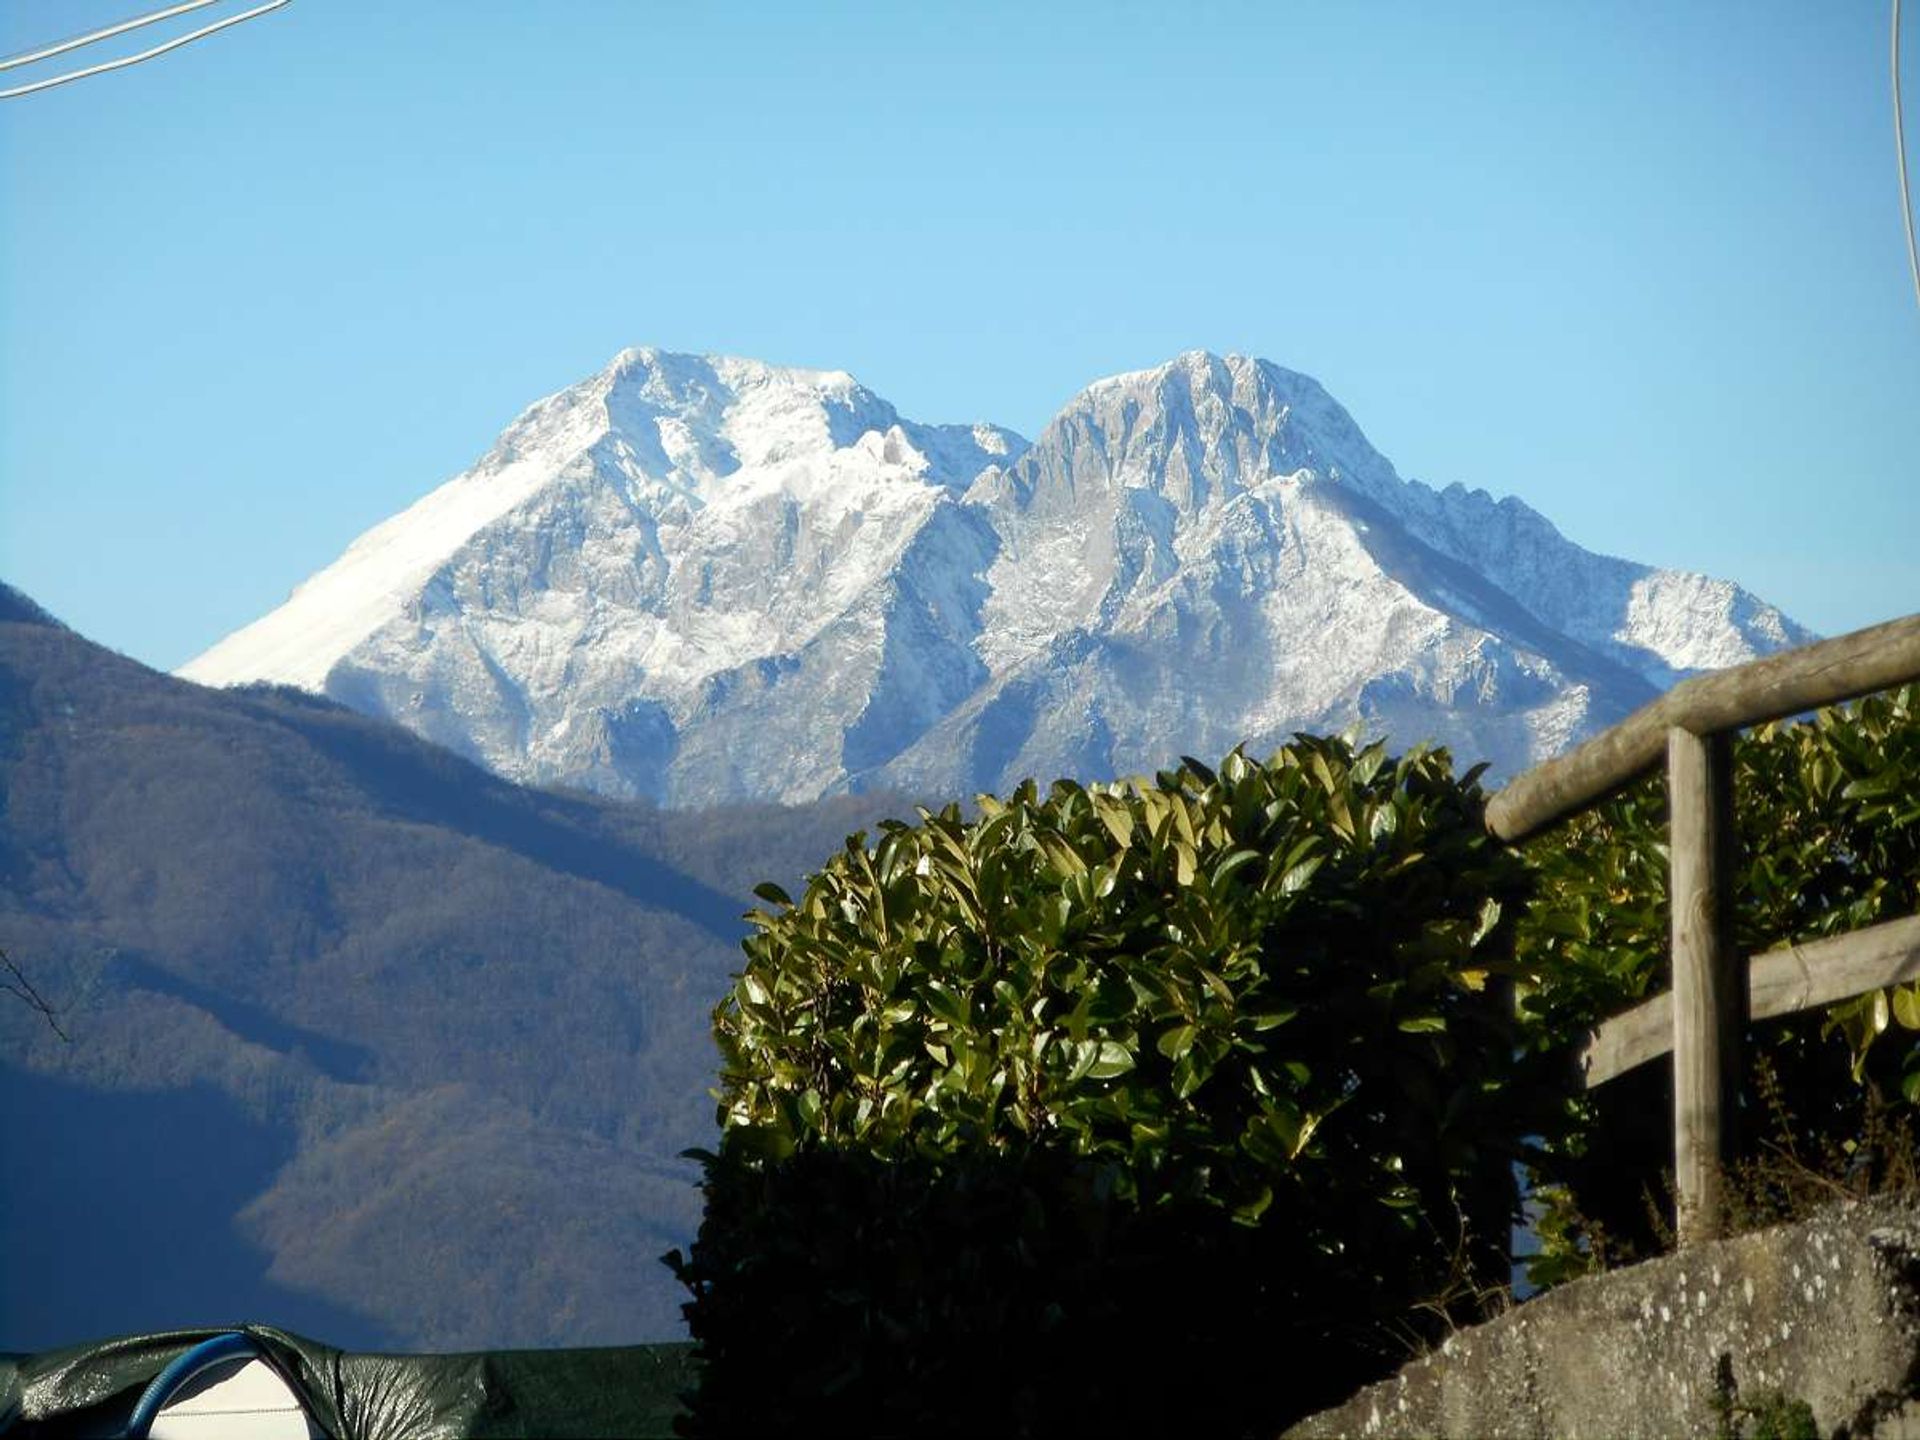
(700, 579)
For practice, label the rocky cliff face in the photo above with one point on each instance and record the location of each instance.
(700, 579)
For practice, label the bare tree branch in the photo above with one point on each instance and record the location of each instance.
(23, 988)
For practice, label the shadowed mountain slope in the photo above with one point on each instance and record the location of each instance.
(362, 1037)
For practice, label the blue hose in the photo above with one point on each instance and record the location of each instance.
(182, 1369)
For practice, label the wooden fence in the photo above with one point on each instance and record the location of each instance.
(1715, 991)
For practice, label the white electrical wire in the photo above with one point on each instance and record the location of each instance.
(47, 52)
(126, 60)
(1900, 154)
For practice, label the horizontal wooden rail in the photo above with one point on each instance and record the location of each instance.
(1779, 982)
(1824, 673)
(1701, 1019)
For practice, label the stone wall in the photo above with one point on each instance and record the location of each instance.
(1826, 1312)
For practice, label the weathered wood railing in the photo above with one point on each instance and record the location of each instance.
(1714, 994)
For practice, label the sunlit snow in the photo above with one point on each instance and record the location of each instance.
(700, 578)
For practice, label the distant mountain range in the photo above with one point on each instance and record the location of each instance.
(364, 1041)
(697, 580)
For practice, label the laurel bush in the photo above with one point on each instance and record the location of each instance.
(1228, 1056)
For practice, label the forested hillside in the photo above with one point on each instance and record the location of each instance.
(359, 1037)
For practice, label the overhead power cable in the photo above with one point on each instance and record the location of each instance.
(47, 52)
(1900, 154)
(126, 60)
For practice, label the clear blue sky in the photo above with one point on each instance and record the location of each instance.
(1640, 265)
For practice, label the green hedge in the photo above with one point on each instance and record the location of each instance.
(1178, 1104)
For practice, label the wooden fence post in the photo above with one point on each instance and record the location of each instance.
(1709, 985)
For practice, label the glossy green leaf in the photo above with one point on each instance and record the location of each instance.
(1176, 1042)
(1234, 861)
(1111, 1059)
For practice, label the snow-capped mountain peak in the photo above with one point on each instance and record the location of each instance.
(669, 435)
(701, 578)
